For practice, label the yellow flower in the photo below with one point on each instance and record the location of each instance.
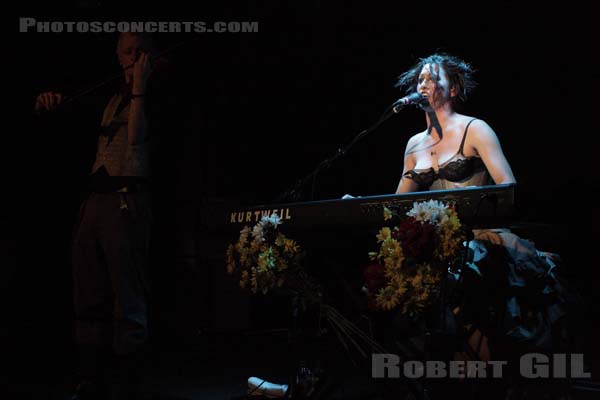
(244, 279)
(290, 246)
(417, 280)
(392, 267)
(387, 214)
(390, 248)
(392, 255)
(401, 289)
(384, 233)
(244, 233)
(239, 247)
(243, 258)
(387, 298)
(254, 246)
(399, 282)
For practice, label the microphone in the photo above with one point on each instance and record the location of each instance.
(413, 98)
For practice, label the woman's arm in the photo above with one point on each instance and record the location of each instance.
(406, 184)
(486, 144)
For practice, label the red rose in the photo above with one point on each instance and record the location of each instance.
(374, 277)
(417, 239)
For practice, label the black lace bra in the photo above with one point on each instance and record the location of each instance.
(456, 169)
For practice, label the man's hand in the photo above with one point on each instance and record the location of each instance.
(141, 72)
(47, 101)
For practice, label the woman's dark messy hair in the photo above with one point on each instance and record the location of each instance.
(460, 75)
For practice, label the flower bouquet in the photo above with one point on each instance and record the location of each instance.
(263, 258)
(413, 257)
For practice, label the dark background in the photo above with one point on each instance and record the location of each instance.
(250, 114)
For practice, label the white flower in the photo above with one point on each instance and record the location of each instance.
(258, 232)
(265, 223)
(439, 218)
(432, 211)
(272, 219)
(444, 217)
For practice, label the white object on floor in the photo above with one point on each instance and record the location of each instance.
(258, 386)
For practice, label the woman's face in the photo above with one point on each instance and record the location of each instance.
(433, 83)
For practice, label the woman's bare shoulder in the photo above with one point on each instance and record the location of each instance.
(477, 126)
(417, 137)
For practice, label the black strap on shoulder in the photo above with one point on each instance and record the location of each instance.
(462, 144)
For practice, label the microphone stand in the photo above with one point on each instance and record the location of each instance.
(294, 192)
